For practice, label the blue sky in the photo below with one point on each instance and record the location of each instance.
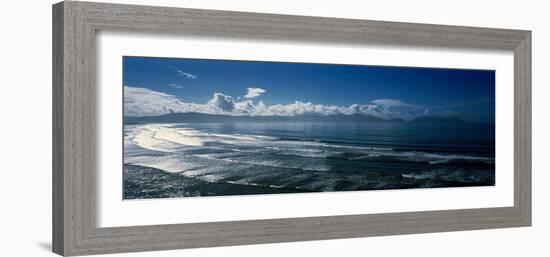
(389, 92)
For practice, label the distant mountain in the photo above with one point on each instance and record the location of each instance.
(435, 119)
(194, 117)
(448, 122)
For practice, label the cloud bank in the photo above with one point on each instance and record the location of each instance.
(146, 102)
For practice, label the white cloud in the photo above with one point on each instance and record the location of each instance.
(175, 85)
(389, 103)
(254, 92)
(187, 75)
(184, 74)
(394, 108)
(222, 102)
(146, 102)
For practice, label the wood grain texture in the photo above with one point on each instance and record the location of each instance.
(522, 128)
(75, 25)
(58, 230)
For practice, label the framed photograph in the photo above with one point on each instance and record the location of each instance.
(183, 128)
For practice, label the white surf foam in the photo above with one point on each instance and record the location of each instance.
(182, 137)
(146, 139)
(431, 158)
(163, 138)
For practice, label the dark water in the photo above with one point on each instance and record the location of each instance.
(175, 160)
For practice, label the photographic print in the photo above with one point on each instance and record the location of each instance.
(198, 127)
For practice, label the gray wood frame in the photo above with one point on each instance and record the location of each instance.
(74, 126)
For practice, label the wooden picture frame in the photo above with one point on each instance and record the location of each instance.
(75, 25)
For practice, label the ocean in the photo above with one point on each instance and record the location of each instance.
(219, 159)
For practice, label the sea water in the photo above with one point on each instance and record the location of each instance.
(215, 159)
